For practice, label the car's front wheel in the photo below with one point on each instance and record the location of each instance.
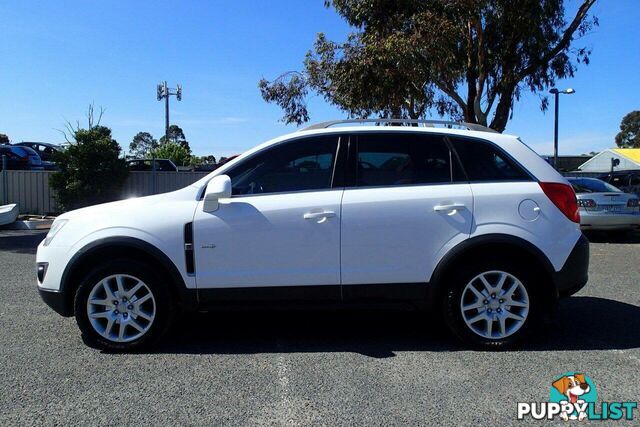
(491, 304)
(123, 306)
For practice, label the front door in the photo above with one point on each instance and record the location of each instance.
(281, 227)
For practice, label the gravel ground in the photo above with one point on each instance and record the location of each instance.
(346, 367)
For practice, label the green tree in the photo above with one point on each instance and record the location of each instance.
(468, 59)
(176, 135)
(91, 169)
(209, 159)
(202, 160)
(629, 135)
(177, 153)
(4, 139)
(142, 144)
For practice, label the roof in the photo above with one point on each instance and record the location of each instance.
(632, 154)
(47, 144)
(600, 162)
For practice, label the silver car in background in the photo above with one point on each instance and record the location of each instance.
(605, 207)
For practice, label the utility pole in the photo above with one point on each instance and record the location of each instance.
(164, 92)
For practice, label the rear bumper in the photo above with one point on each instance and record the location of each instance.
(575, 273)
(608, 221)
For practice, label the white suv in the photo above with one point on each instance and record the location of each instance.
(466, 223)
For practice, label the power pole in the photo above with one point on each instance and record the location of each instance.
(164, 92)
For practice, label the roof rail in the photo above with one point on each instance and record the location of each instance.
(426, 123)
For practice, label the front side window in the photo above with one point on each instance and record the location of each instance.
(392, 159)
(301, 165)
(482, 161)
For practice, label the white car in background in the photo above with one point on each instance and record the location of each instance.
(605, 207)
(466, 223)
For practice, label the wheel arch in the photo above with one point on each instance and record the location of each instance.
(123, 247)
(501, 245)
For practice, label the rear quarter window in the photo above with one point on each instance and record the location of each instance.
(484, 162)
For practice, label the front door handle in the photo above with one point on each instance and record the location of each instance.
(452, 208)
(322, 216)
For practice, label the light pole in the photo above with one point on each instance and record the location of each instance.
(164, 92)
(556, 94)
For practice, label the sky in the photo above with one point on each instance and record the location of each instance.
(60, 56)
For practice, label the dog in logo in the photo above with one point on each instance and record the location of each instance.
(573, 387)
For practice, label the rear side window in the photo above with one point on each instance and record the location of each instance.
(482, 161)
(392, 159)
(300, 165)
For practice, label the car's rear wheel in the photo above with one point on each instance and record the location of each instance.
(491, 304)
(122, 306)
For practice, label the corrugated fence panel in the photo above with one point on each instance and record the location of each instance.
(31, 191)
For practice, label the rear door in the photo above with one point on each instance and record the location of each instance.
(401, 212)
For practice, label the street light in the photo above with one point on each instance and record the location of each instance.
(556, 94)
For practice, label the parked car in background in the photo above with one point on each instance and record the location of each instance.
(626, 180)
(44, 149)
(162, 165)
(605, 207)
(20, 158)
(227, 160)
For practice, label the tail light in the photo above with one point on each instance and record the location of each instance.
(563, 196)
(586, 203)
(632, 203)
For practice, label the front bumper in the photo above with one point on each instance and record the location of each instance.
(575, 273)
(57, 300)
(50, 262)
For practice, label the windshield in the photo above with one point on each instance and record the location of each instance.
(592, 185)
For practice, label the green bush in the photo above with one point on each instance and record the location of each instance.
(91, 170)
(173, 151)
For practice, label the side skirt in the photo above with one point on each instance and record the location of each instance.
(413, 294)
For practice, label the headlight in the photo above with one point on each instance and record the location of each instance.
(55, 228)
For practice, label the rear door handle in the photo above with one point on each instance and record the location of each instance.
(319, 215)
(453, 207)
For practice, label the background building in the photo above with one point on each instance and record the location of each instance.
(629, 159)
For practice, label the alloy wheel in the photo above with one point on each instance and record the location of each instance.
(494, 304)
(121, 308)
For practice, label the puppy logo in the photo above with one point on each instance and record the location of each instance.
(573, 391)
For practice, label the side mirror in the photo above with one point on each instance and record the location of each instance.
(218, 188)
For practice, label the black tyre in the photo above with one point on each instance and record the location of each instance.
(492, 304)
(122, 305)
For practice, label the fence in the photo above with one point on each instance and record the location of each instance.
(31, 191)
